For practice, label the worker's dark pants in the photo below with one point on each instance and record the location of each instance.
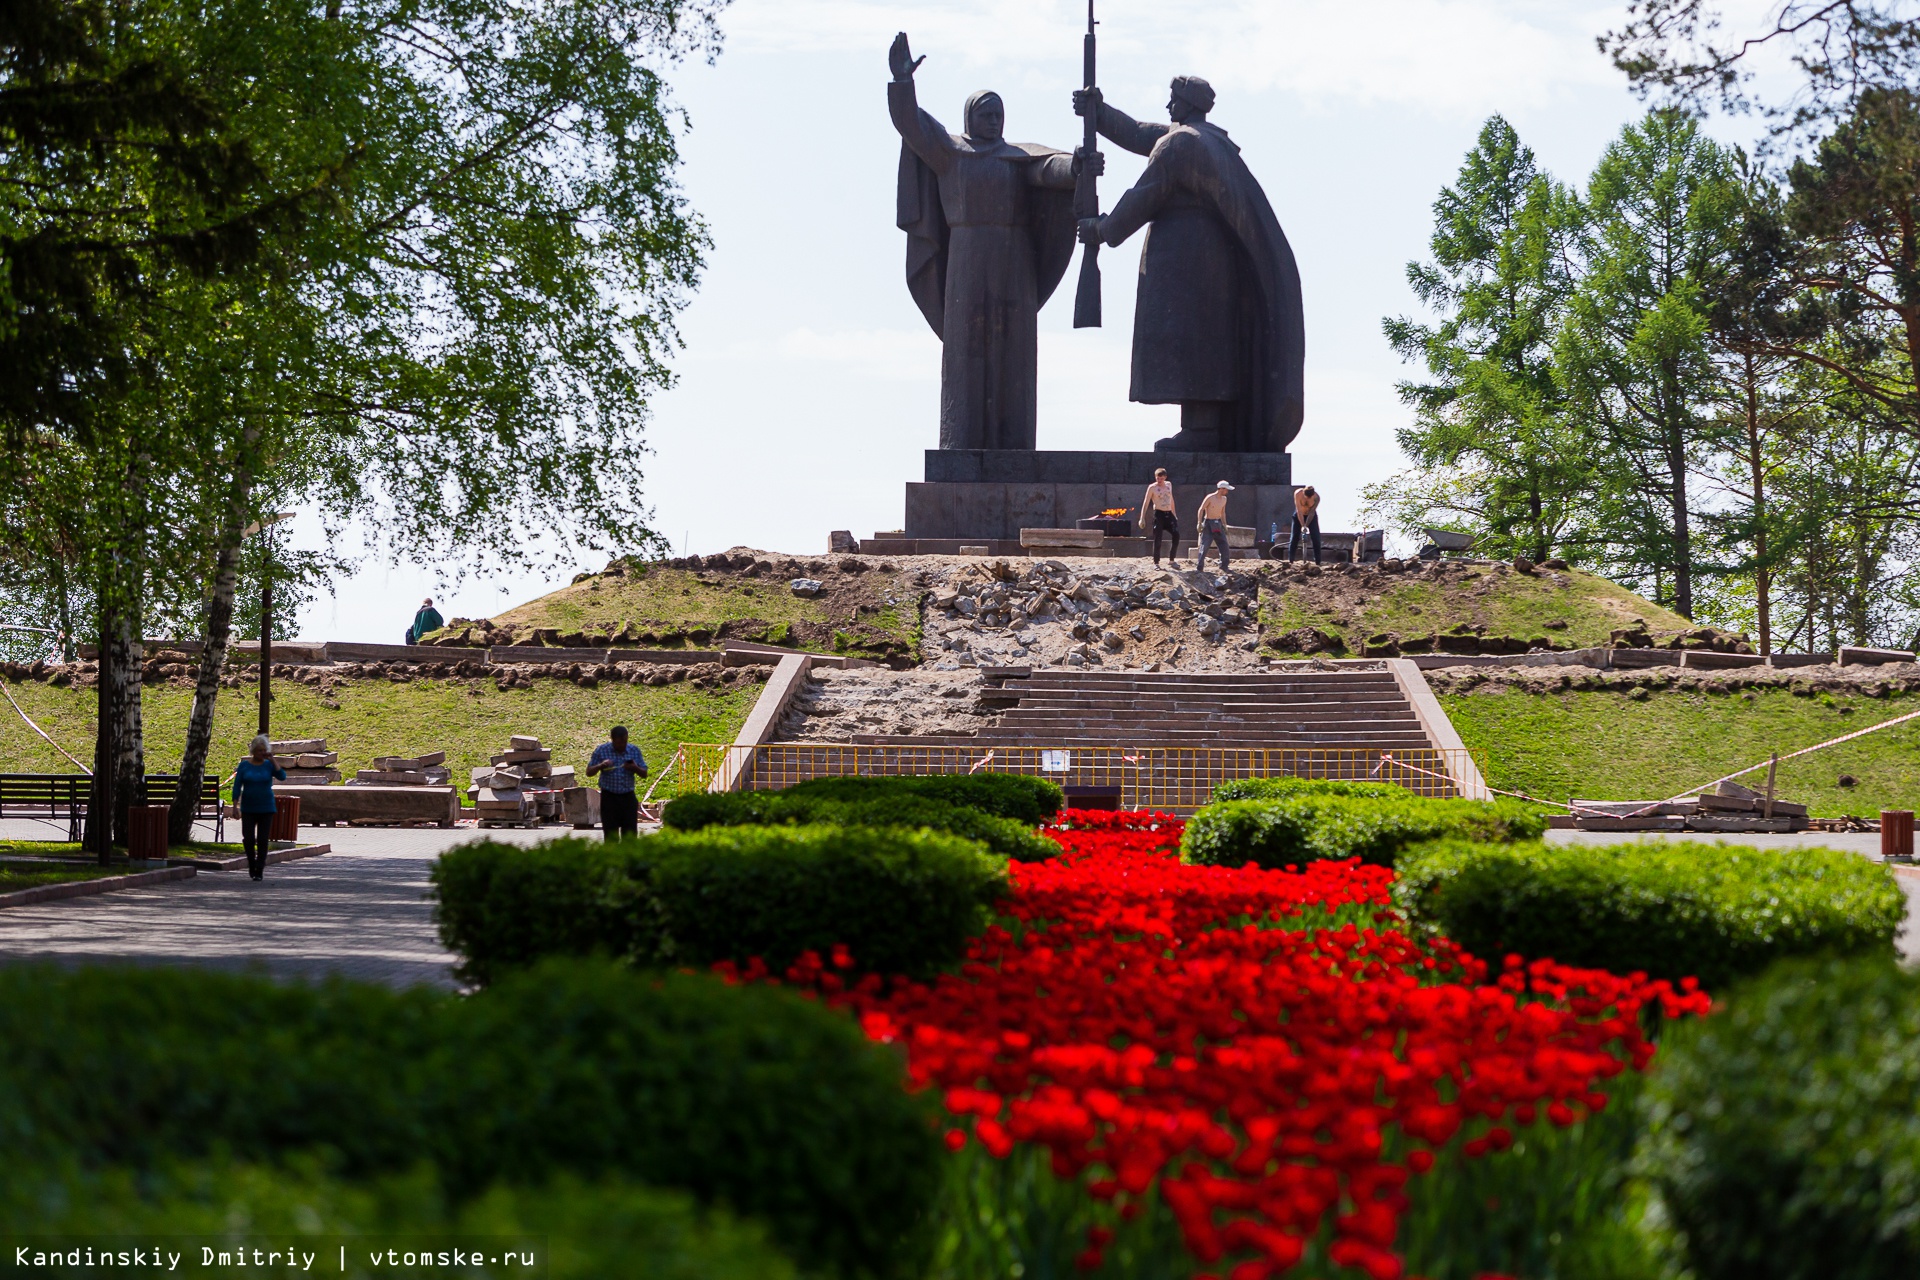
(254, 829)
(1214, 532)
(619, 814)
(1164, 521)
(1311, 525)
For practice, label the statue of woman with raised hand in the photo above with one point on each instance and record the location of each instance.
(990, 231)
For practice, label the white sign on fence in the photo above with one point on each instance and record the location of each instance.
(1056, 762)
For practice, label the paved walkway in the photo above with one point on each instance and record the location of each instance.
(360, 911)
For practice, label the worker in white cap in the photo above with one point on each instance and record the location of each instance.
(1213, 523)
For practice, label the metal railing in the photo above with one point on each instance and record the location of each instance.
(1171, 779)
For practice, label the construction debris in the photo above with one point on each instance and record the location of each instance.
(1729, 807)
(307, 761)
(426, 770)
(521, 787)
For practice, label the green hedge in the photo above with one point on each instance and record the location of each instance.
(749, 1097)
(1307, 825)
(1021, 797)
(902, 902)
(1711, 911)
(1005, 836)
(578, 1230)
(1784, 1131)
(1284, 788)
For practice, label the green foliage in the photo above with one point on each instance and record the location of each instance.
(901, 902)
(1490, 443)
(1672, 910)
(1311, 825)
(1559, 1204)
(745, 1096)
(1019, 796)
(1286, 788)
(859, 806)
(578, 1230)
(1784, 1131)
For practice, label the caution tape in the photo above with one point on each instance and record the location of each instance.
(42, 732)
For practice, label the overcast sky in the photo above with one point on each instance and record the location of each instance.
(808, 389)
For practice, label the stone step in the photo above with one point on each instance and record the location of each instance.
(1371, 698)
(1386, 740)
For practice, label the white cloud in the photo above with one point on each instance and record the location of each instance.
(1439, 55)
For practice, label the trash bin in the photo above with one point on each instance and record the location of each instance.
(1896, 835)
(286, 819)
(147, 832)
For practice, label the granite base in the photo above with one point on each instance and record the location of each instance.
(988, 494)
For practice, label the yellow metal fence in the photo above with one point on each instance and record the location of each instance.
(1171, 779)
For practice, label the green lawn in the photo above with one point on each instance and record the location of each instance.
(1605, 746)
(862, 608)
(69, 849)
(1495, 598)
(469, 720)
(15, 878)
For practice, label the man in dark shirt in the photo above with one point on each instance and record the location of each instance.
(425, 622)
(618, 763)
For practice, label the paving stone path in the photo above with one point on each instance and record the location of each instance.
(360, 911)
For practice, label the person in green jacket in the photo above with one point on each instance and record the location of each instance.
(425, 622)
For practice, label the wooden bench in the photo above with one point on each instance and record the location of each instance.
(50, 795)
(162, 787)
(67, 795)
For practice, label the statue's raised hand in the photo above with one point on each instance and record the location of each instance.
(901, 58)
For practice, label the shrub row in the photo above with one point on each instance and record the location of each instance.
(1283, 788)
(1301, 824)
(1784, 1131)
(902, 902)
(1021, 797)
(576, 1230)
(1710, 911)
(1007, 837)
(747, 1097)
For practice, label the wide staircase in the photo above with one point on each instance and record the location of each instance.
(1165, 739)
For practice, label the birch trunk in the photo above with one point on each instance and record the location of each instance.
(213, 659)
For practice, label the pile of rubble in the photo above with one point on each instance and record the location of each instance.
(1112, 613)
(1865, 682)
(522, 787)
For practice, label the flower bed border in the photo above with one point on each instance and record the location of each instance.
(100, 884)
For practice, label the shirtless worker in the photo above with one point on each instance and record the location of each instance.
(1213, 524)
(1306, 519)
(1159, 500)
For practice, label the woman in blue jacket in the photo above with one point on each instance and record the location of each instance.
(253, 788)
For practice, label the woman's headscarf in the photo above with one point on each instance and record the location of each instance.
(976, 101)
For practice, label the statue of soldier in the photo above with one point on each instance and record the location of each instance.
(1217, 326)
(990, 231)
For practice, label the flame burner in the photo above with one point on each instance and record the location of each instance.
(1115, 522)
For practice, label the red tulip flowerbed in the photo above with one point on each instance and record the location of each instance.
(1253, 1047)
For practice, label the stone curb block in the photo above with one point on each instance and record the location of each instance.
(239, 863)
(87, 888)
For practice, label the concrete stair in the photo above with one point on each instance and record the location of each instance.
(1165, 738)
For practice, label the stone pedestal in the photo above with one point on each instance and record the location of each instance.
(989, 495)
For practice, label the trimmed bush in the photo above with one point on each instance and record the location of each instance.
(750, 1097)
(578, 1230)
(1784, 1131)
(869, 807)
(902, 902)
(1285, 788)
(1309, 825)
(1019, 796)
(1710, 911)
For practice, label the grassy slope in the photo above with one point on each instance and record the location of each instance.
(469, 721)
(664, 599)
(1502, 601)
(1605, 746)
